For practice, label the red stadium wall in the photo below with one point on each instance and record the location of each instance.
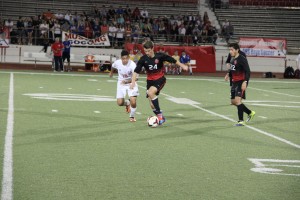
(205, 56)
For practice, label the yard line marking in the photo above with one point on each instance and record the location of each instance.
(263, 117)
(290, 95)
(269, 105)
(7, 180)
(217, 79)
(250, 127)
(232, 120)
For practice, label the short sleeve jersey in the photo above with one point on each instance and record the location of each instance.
(67, 45)
(154, 66)
(124, 71)
(240, 69)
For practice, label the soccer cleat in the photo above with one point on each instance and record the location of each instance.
(161, 119)
(127, 108)
(240, 123)
(132, 119)
(251, 116)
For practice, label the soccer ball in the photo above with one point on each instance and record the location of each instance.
(152, 121)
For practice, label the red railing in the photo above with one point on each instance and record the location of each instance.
(271, 3)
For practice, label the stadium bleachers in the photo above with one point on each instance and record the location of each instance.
(264, 22)
(15, 8)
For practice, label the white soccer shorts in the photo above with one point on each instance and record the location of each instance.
(122, 90)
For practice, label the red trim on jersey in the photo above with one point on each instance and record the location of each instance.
(156, 75)
(238, 76)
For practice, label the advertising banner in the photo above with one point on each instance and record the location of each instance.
(78, 40)
(263, 47)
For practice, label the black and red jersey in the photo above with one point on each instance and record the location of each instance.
(154, 66)
(240, 69)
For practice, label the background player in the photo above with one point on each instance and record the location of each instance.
(153, 64)
(240, 79)
(125, 68)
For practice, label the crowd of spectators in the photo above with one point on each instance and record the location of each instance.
(122, 24)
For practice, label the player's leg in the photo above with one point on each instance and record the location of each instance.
(133, 105)
(154, 88)
(190, 70)
(236, 99)
(121, 93)
(133, 108)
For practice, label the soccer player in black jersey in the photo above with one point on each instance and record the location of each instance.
(229, 75)
(153, 64)
(240, 71)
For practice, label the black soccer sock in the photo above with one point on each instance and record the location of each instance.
(245, 109)
(240, 112)
(156, 105)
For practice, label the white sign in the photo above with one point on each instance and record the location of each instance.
(78, 40)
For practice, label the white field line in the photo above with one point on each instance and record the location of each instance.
(232, 120)
(7, 180)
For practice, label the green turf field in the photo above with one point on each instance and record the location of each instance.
(72, 141)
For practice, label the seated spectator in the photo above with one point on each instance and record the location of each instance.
(104, 28)
(174, 67)
(128, 33)
(212, 35)
(44, 27)
(66, 26)
(9, 24)
(29, 30)
(120, 11)
(56, 29)
(229, 32)
(185, 59)
(136, 14)
(127, 11)
(103, 12)
(88, 31)
(120, 35)
(20, 31)
(196, 35)
(224, 26)
(96, 28)
(68, 16)
(80, 28)
(112, 33)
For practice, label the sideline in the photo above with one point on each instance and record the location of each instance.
(7, 180)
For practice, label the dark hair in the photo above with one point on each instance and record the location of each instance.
(234, 45)
(148, 45)
(124, 53)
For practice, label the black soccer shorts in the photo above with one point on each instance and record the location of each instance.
(236, 90)
(159, 84)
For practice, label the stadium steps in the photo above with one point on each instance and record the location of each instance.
(262, 22)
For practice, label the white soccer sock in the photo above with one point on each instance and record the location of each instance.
(126, 102)
(132, 111)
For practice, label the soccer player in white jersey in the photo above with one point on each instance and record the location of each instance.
(125, 68)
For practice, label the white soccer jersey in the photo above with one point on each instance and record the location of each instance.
(124, 71)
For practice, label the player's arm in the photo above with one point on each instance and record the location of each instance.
(172, 60)
(136, 72)
(111, 73)
(247, 73)
(183, 66)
